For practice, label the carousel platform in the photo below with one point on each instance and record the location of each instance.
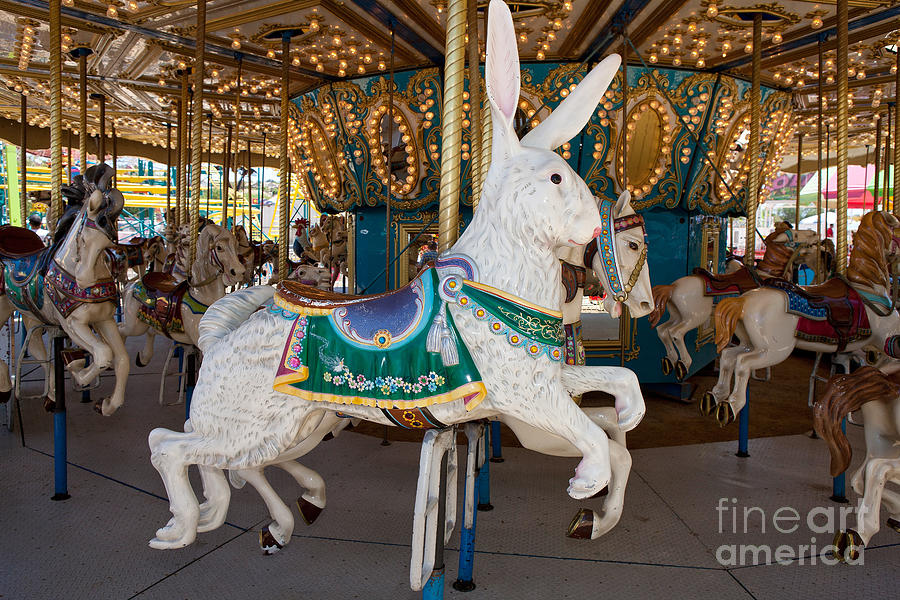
(671, 542)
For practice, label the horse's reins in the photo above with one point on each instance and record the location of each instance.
(606, 245)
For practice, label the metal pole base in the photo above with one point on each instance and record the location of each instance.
(86, 397)
(58, 497)
(461, 585)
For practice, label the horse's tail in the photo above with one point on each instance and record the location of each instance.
(661, 296)
(227, 313)
(728, 312)
(843, 395)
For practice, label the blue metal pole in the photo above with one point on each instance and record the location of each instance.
(434, 587)
(191, 381)
(484, 475)
(744, 428)
(496, 449)
(839, 483)
(61, 484)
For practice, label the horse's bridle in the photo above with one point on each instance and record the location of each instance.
(606, 246)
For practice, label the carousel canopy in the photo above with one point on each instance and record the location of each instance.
(138, 48)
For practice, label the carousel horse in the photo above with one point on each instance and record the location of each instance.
(140, 254)
(70, 285)
(254, 255)
(477, 336)
(840, 315)
(161, 303)
(587, 524)
(691, 299)
(877, 394)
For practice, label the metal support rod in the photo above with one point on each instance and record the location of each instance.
(451, 124)
(475, 98)
(895, 205)
(496, 447)
(209, 118)
(799, 172)
(843, 122)
(877, 159)
(625, 116)
(183, 146)
(259, 182)
(60, 446)
(23, 163)
(839, 483)
(197, 134)
(753, 177)
(179, 124)
(82, 123)
(56, 201)
(249, 188)
(887, 160)
(101, 140)
(226, 178)
(237, 139)
(821, 107)
(388, 183)
(169, 171)
(69, 159)
(434, 587)
(284, 200)
(744, 429)
(115, 153)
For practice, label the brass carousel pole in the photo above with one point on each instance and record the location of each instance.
(887, 161)
(451, 124)
(179, 125)
(183, 146)
(101, 140)
(23, 164)
(226, 169)
(388, 191)
(197, 132)
(69, 159)
(843, 114)
(284, 212)
(753, 178)
(877, 159)
(819, 161)
(237, 139)
(115, 154)
(56, 204)
(475, 96)
(81, 54)
(168, 171)
(895, 204)
(799, 172)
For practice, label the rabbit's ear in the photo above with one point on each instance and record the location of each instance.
(502, 78)
(573, 113)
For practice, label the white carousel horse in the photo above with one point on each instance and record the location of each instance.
(532, 204)
(878, 396)
(254, 255)
(691, 299)
(77, 291)
(837, 316)
(161, 303)
(630, 258)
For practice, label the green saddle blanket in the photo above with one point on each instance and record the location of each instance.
(374, 353)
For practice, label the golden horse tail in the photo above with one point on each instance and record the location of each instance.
(661, 295)
(843, 395)
(728, 312)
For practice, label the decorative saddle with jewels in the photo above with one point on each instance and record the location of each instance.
(830, 313)
(24, 258)
(730, 284)
(161, 297)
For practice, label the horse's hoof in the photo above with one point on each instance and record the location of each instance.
(894, 524)
(601, 493)
(138, 362)
(309, 511)
(98, 407)
(582, 525)
(847, 545)
(327, 437)
(666, 365)
(268, 543)
(49, 404)
(680, 371)
(724, 414)
(707, 404)
(4, 396)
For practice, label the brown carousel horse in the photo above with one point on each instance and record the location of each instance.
(690, 299)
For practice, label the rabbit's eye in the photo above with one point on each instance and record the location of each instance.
(556, 178)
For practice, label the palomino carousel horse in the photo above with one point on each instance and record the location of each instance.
(840, 315)
(70, 285)
(628, 255)
(878, 396)
(160, 303)
(477, 336)
(690, 299)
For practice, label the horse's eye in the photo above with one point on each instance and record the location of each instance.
(633, 245)
(556, 178)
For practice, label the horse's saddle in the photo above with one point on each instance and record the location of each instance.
(161, 296)
(573, 277)
(738, 282)
(25, 259)
(831, 313)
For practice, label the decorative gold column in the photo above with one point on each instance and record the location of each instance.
(179, 124)
(451, 124)
(843, 114)
(237, 141)
(877, 158)
(475, 98)
(895, 204)
(487, 137)
(82, 123)
(753, 177)
(197, 132)
(23, 164)
(168, 171)
(56, 203)
(182, 146)
(799, 172)
(284, 202)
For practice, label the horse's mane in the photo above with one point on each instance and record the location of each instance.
(777, 255)
(871, 245)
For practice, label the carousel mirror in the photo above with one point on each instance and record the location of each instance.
(647, 138)
(397, 153)
(732, 166)
(320, 159)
